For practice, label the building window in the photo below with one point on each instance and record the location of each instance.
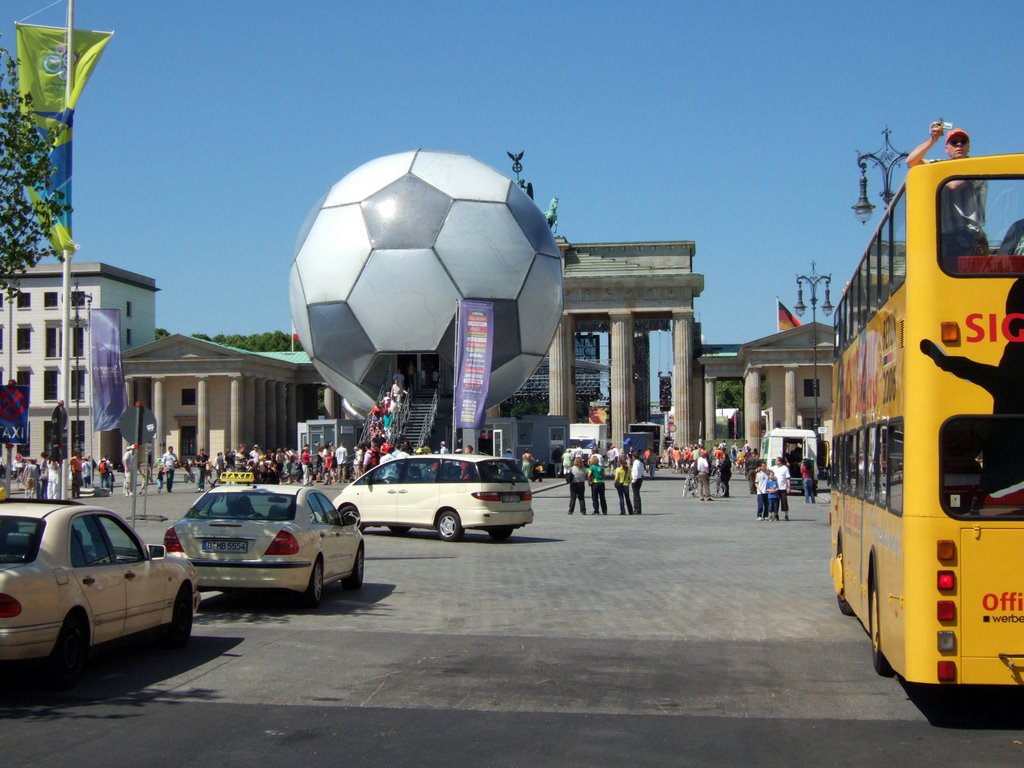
(188, 396)
(24, 301)
(24, 378)
(53, 348)
(78, 299)
(188, 440)
(49, 385)
(50, 300)
(78, 341)
(78, 384)
(127, 337)
(24, 342)
(128, 308)
(809, 387)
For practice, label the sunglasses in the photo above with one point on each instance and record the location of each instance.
(959, 142)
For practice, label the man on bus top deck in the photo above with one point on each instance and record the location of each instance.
(962, 203)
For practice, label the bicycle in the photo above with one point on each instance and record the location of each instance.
(690, 486)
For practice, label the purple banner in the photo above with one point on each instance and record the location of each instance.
(109, 401)
(476, 345)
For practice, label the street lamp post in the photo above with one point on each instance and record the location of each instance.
(78, 344)
(812, 280)
(886, 158)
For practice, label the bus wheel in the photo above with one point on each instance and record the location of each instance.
(878, 660)
(844, 607)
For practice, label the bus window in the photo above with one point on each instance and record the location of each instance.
(871, 465)
(895, 462)
(898, 249)
(884, 262)
(980, 470)
(862, 462)
(883, 461)
(852, 447)
(981, 226)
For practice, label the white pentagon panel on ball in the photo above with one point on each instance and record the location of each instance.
(368, 178)
(404, 300)
(297, 304)
(333, 254)
(407, 213)
(484, 249)
(532, 221)
(339, 340)
(460, 176)
(507, 379)
(540, 304)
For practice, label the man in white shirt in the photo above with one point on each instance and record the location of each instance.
(636, 480)
(341, 462)
(170, 461)
(782, 476)
(704, 476)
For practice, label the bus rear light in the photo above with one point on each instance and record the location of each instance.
(951, 333)
(945, 610)
(947, 671)
(946, 580)
(946, 549)
(947, 641)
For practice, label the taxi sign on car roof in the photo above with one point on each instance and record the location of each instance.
(237, 477)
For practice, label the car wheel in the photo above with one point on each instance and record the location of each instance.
(500, 533)
(355, 580)
(180, 628)
(315, 589)
(399, 530)
(69, 654)
(449, 526)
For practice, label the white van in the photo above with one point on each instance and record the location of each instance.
(448, 493)
(794, 445)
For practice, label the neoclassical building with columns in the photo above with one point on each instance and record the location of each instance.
(206, 395)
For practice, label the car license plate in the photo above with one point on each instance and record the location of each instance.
(225, 545)
(510, 498)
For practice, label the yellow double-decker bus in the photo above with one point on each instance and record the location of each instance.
(927, 510)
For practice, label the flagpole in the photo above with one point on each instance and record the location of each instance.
(65, 319)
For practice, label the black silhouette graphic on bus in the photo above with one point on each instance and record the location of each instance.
(1002, 471)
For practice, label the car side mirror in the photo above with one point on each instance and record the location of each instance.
(157, 551)
(348, 517)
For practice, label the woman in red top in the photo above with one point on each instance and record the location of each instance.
(807, 473)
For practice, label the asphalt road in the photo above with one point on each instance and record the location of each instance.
(692, 635)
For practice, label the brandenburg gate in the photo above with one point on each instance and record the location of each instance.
(629, 289)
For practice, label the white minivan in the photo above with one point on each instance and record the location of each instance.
(794, 445)
(445, 492)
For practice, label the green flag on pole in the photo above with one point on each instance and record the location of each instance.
(43, 73)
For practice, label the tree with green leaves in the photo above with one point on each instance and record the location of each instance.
(24, 162)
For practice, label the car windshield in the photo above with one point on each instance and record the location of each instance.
(19, 539)
(245, 505)
(501, 471)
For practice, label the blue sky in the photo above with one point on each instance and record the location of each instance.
(210, 127)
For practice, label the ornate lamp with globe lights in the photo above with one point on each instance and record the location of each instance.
(886, 158)
(812, 280)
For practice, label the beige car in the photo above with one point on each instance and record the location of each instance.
(73, 577)
(247, 536)
(449, 493)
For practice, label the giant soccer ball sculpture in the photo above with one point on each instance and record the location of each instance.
(384, 258)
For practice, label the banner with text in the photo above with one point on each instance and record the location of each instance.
(109, 400)
(42, 74)
(476, 346)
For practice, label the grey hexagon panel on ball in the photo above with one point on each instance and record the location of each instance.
(380, 267)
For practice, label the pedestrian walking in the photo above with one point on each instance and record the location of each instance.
(595, 474)
(636, 480)
(622, 478)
